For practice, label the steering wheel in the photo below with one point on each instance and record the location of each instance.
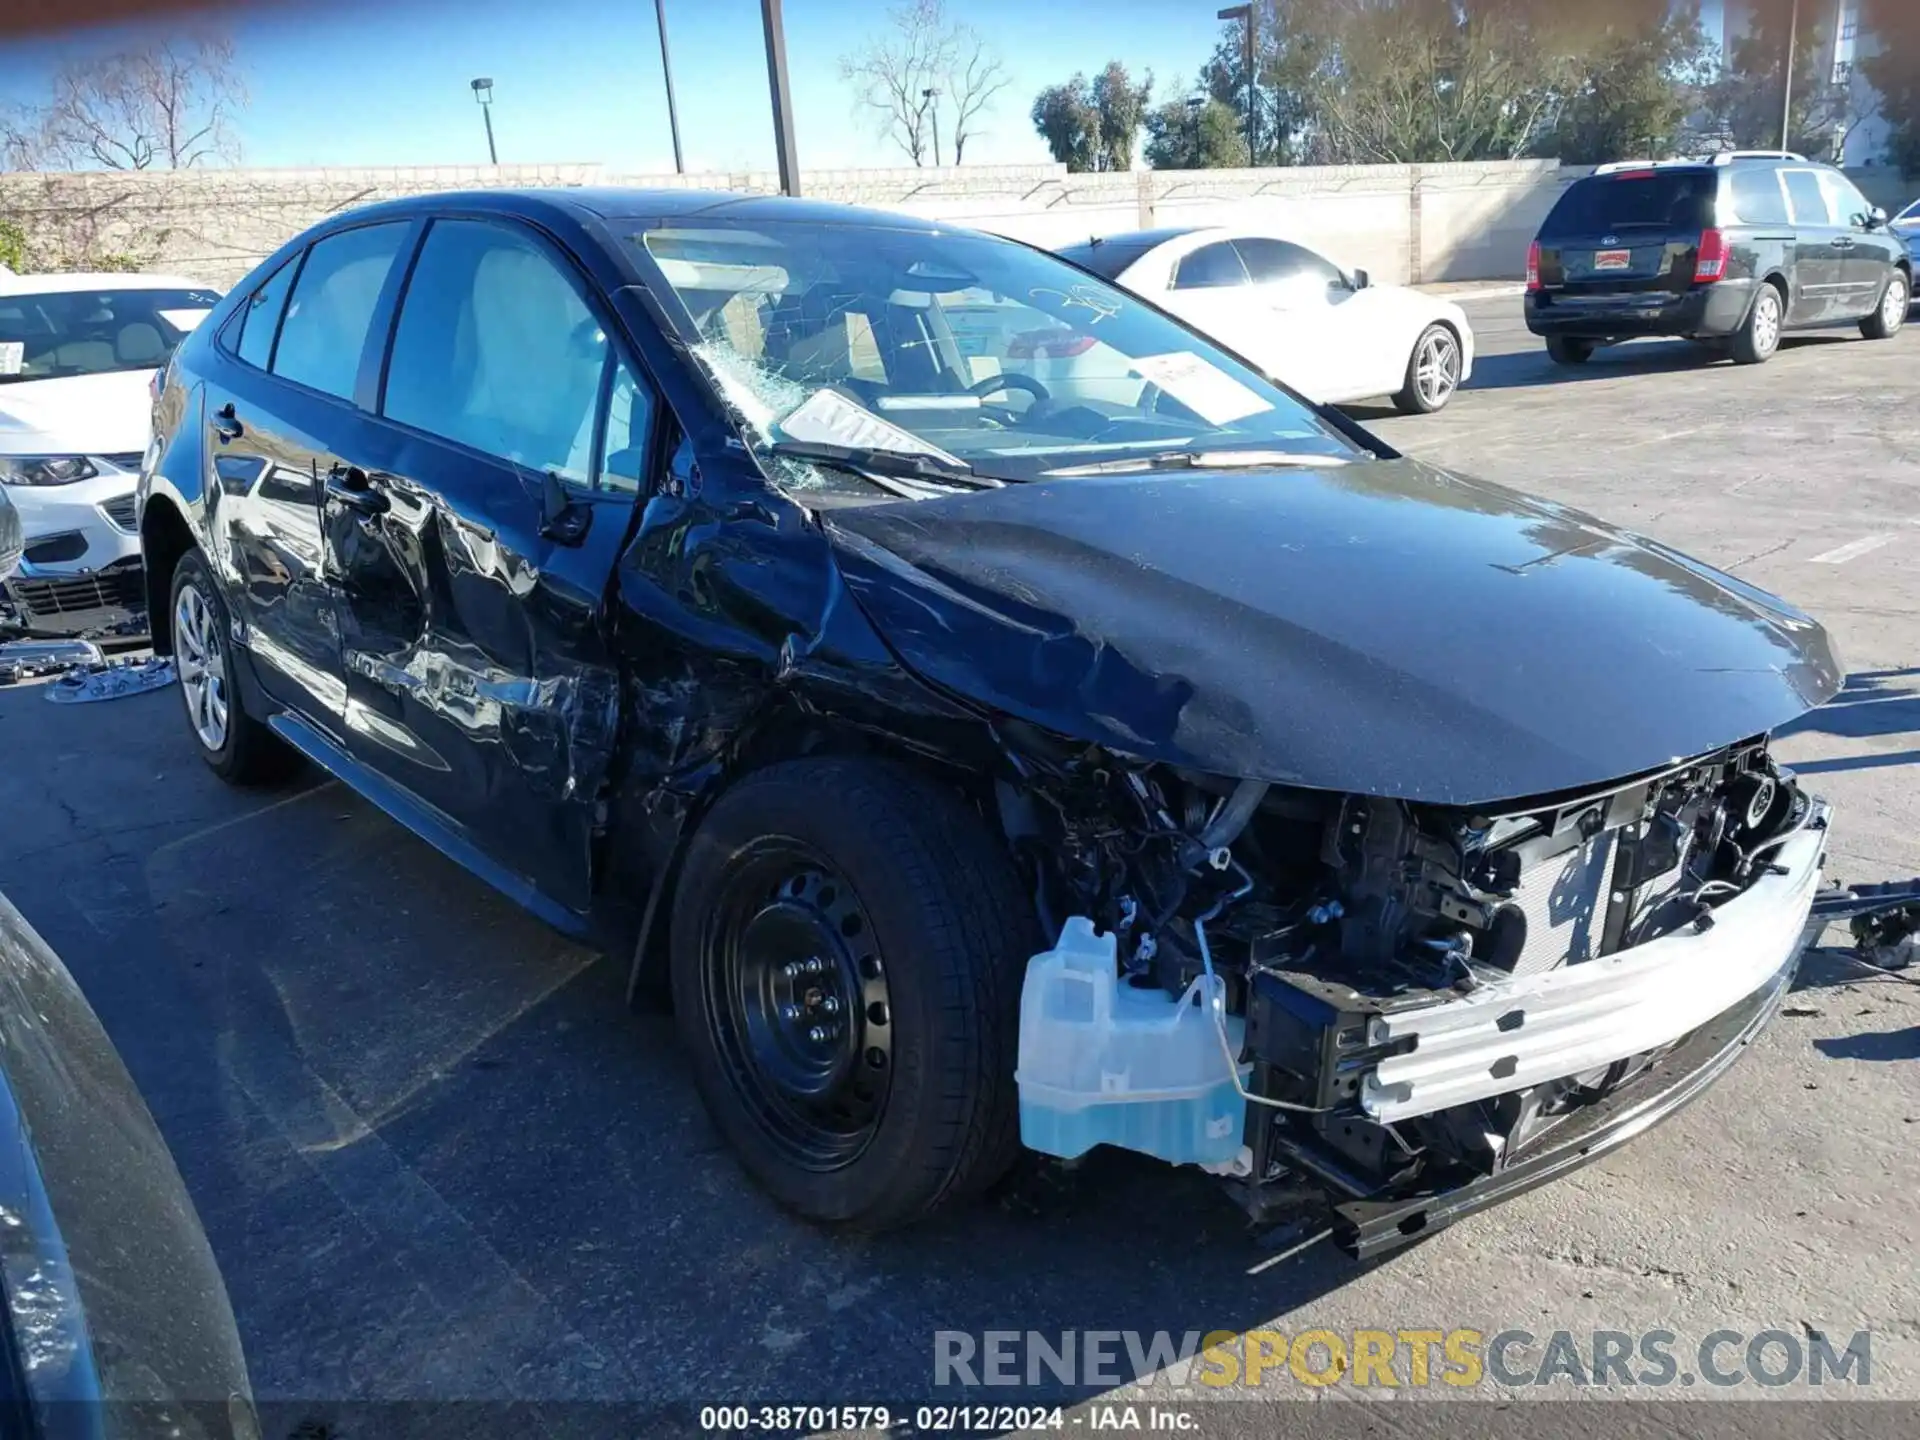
(993, 384)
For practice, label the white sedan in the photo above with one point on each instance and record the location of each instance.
(1326, 332)
(77, 355)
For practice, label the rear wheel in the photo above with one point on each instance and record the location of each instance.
(848, 945)
(1886, 320)
(1433, 372)
(236, 747)
(1565, 350)
(1755, 341)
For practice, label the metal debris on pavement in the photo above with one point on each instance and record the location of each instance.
(112, 681)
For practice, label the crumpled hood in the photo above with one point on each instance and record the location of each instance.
(1382, 627)
(106, 414)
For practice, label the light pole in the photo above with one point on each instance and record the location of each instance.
(1786, 101)
(666, 69)
(483, 92)
(783, 146)
(1245, 12)
(932, 97)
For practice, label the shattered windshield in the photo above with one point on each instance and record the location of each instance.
(977, 355)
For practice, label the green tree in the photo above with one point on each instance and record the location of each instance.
(1092, 125)
(1200, 134)
(1284, 57)
(1065, 117)
(1745, 100)
(1894, 71)
(1404, 81)
(1648, 66)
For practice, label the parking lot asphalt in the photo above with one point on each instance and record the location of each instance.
(437, 1157)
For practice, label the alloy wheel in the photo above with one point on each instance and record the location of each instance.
(1766, 321)
(1893, 309)
(202, 664)
(1436, 368)
(797, 999)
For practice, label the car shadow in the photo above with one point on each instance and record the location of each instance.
(1877, 1045)
(1868, 705)
(1528, 369)
(437, 1156)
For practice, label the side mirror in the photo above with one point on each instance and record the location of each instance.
(1361, 280)
(1874, 218)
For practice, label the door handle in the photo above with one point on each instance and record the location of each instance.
(226, 425)
(352, 488)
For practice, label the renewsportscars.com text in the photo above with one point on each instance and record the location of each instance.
(1401, 1358)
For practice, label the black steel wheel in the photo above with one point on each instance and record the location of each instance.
(798, 1004)
(848, 943)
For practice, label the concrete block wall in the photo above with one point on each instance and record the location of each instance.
(1403, 223)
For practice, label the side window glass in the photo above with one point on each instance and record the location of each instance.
(1850, 207)
(497, 350)
(325, 331)
(1809, 201)
(260, 318)
(1276, 262)
(1209, 267)
(1757, 198)
(623, 458)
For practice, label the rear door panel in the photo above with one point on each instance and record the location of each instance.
(281, 414)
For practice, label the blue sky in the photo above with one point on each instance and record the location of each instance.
(352, 83)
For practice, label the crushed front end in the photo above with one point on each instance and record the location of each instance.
(1429, 1009)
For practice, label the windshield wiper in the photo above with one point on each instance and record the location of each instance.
(903, 464)
(1204, 460)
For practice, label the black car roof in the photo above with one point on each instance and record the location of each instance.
(614, 202)
(1142, 240)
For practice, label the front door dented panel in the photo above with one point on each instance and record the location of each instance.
(733, 626)
(477, 671)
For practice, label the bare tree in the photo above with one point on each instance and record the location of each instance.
(168, 105)
(923, 65)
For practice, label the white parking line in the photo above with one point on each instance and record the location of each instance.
(1853, 550)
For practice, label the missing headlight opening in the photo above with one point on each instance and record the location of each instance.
(1371, 1004)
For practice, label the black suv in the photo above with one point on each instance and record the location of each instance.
(1729, 251)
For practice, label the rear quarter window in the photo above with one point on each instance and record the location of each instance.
(1757, 197)
(1675, 200)
(325, 326)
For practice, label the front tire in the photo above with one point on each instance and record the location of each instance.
(236, 747)
(1433, 372)
(1891, 313)
(1755, 342)
(1565, 350)
(848, 944)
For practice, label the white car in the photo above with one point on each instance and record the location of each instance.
(77, 356)
(1326, 332)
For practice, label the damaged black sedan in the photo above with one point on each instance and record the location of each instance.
(992, 712)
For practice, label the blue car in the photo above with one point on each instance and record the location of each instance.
(1907, 226)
